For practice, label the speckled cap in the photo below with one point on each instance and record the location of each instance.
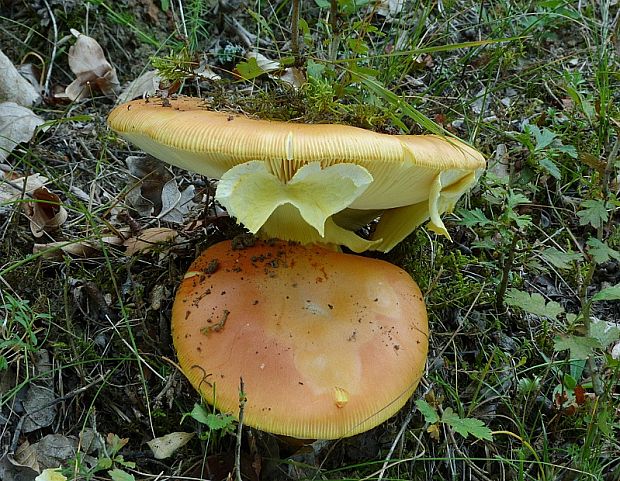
(328, 344)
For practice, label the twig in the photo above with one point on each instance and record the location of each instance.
(386, 463)
(242, 401)
(49, 69)
(333, 22)
(295, 32)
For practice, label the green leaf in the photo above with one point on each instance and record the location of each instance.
(580, 347)
(533, 304)
(605, 332)
(249, 69)
(466, 426)
(549, 165)
(608, 294)
(544, 137)
(515, 199)
(559, 259)
(569, 150)
(601, 252)
(594, 213)
(120, 475)
(315, 70)
(104, 463)
(213, 421)
(474, 217)
(428, 411)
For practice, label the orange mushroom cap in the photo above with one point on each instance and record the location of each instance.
(327, 344)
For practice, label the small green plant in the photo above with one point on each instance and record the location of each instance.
(20, 328)
(462, 425)
(108, 459)
(217, 425)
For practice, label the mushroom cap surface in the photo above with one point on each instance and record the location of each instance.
(351, 175)
(327, 344)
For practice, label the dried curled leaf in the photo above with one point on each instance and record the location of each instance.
(94, 73)
(45, 212)
(148, 239)
(13, 189)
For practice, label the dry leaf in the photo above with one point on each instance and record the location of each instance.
(13, 189)
(39, 400)
(56, 250)
(149, 239)
(265, 64)
(54, 450)
(390, 8)
(10, 472)
(17, 125)
(145, 85)
(14, 87)
(148, 177)
(175, 204)
(26, 456)
(205, 72)
(82, 248)
(94, 73)
(294, 77)
(45, 212)
(165, 446)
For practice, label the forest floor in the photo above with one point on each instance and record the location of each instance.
(523, 375)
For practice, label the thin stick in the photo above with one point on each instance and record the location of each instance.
(333, 22)
(49, 69)
(295, 31)
(242, 401)
(400, 434)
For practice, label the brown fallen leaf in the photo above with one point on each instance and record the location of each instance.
(94, 73)
(294, 77)
(146, 85)
(84, 248)
(45, 212)
(148, 239)
(26, 456)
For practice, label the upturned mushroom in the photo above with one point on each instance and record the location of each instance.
(307, 183)
(327, 344)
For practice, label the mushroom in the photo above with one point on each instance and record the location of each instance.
(307, 183)
(327, 344)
